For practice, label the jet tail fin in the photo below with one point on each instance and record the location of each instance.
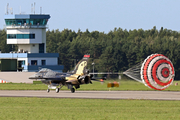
(81, 66)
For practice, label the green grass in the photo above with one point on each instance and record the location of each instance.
(23, 108)
(87, 109)
(124, 85)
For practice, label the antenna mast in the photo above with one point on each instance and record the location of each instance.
(7, 9)
(20, 9)
(40, 10)
(31, 8)
(34, 7)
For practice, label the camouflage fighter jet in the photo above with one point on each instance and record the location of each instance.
(56, 80)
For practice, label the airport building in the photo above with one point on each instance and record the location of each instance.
(28, 32)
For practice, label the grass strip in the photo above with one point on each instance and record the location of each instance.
(87, 109)
(124, 85)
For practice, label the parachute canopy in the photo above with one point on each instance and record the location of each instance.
(156, 72)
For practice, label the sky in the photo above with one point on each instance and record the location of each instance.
(101, 15)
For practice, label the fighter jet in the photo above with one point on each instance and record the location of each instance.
(56, 80)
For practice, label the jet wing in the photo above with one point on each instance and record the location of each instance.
(48, 74)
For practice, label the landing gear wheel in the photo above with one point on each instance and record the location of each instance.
(48, 90)
(72, 90)
(57, 90)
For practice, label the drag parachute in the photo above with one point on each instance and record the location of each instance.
(156, 72)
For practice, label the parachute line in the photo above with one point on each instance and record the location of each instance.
(134, 72)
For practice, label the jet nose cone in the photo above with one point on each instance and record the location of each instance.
(32, 77)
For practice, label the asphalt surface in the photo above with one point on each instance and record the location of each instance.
(147, 95)
(16, 77)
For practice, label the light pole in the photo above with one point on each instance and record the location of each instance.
(93, 67)
(74, 63)
(75, 60)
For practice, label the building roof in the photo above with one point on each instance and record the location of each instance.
(27, 16)
(28, 55)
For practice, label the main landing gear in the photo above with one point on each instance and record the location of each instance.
(72, 90)
(48, 90)
(54, 87)
(57, 89)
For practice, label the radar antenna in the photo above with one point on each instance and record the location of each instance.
(9, 10)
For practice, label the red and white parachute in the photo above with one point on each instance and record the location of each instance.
(156, 72)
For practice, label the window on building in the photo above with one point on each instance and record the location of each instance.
(43, 62)
(19, 22)
(41, 48)
(11, 36)
(21, 36)
(33, 62)
(26, 36)
(21, 62)
(32, 36)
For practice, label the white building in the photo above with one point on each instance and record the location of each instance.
(28, 32)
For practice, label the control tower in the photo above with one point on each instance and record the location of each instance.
(28, 32)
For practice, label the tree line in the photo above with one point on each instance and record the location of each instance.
(115, 51)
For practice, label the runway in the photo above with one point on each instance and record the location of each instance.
(147, 95)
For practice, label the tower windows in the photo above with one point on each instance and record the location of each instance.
(20, 36)
(27, 22)
(11, 36)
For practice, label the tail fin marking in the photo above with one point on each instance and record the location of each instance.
(81, 66)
